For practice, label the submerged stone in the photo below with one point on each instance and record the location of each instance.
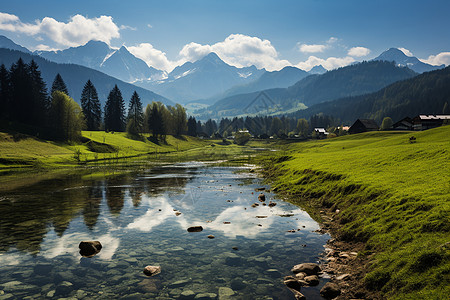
(89, 248)
(152, 270)
(195, 229)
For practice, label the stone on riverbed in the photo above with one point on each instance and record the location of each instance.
(292, 283)
(262, 197)
(89, 248)
(330, 290)
(312, 280)
(307, 268)
(206, 296)
(195, 229)
(152, 270)
(225, 293)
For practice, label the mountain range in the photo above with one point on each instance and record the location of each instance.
(75, 76)
(426, 93)
(353, 80)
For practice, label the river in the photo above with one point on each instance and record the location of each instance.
(141, 218)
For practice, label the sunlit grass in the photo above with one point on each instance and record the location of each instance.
(392, 194)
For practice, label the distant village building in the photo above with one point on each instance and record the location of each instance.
(363, 125)
(321, 133)
(403, 124)
(424, 122)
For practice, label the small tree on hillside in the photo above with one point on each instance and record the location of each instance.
(66, 117)
(91, 106)
(135, 118)
(303, 127)
(387, 123)
(115, 111)
(59, 85)
(192, 126)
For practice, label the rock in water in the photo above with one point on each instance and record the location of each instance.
(262, 197)
(312, 280)
(195, 229)
(152, 270)
(272, 204)
(89, 248)
(293, 284)
(308, 268)
(330, 290)
(210, 236)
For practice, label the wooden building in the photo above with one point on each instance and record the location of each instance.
(363, 125)
(424, 122)
(403, 124)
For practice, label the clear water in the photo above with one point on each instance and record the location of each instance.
(133, 216)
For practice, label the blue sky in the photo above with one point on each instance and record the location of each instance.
(269, 34)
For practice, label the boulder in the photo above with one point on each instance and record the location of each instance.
(312, 280)
(292, 283)
(330, 290)
(89, 248)
(195, 229)
(205, 296)
(307, 268)
(262, 197)
(152, 270)
(225, 293)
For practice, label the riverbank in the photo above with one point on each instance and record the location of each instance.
(380, 196)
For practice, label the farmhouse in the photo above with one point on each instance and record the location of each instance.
(363, 125)
(320, 133)
(403, 124)
(424, 122)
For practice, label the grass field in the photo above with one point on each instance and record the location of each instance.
(392, 194)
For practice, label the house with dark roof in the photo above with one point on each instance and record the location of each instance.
(363, 125)
(403, 124)
(424, 122)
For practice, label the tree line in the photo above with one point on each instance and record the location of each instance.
(26, 106)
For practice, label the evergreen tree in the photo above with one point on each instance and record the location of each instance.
(115, 111)
(156, 122)
(39, 100)
(192, 126)
(91, 106)
(135, 115)
(59, 85)
(5, 92)
(21, 106)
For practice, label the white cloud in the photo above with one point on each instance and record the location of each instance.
(153, 57)
(77, 31)
(439, 59)
(238, 50)
(330, 63)
(406, 51)
(149, 26)
(358, 51)
(42, 47)
(332, 40)
(312, 48)
(122, 27)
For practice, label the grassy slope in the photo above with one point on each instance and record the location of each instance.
(392, 194)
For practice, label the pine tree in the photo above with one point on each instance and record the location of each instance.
(115, 111)
(135, 115)
(21, 106)
(192, 126)
(59, 85)
(91, 106)
(156, 121)
(39, 96)
(5, 92)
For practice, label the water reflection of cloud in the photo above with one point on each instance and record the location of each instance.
(11, 259)
(68, 244)
(242, 222)
(161, 210)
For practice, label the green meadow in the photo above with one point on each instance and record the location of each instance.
(392, 194)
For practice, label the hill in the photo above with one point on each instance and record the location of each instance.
(423, 94)
(352, 80)
(380, 190)
(75, 76)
